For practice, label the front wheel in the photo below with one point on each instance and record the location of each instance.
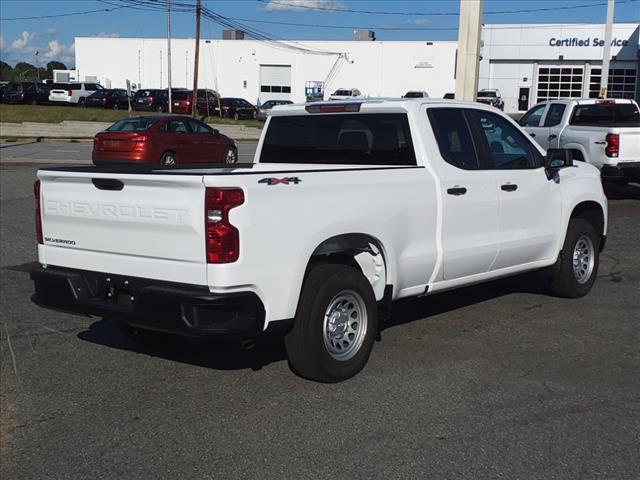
(230, 155)
(579, 260)
(335, 325)
(116, 106)
(236, 117)
(81, 103)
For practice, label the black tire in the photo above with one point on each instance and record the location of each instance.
(227, 157)
(116, 106)
(169, 159)
(254, 114)
(34, 102)
(236, 117)
(160, 108)
(566, 282)
(309, 355)
(81, 102)
(146, 338)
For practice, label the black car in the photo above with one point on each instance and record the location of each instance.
(115, 98)
(32, 93)
(265, 108)
(153, 99)
(237, 108)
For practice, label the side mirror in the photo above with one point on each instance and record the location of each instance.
(215, 132)
(556, 159)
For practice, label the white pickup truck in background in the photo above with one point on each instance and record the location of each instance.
(602, 132)
(347, 207)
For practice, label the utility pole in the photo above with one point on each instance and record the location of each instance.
(468, 63)
(194, 102)
(169, 52)
(606, 54)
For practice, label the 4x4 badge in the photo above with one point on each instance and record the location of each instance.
(283, 181)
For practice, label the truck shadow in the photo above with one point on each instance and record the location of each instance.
(230, 355)
(630, 191)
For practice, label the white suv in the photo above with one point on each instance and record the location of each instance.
(345, 94)
(73, 92)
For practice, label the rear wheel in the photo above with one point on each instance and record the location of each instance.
(81, 102)
(254, 114)
(34, 102)
(160, 108)
(335, 325)
(169, 159)
(236, 116)
(230, 155)
(579, 260)
(116, 106)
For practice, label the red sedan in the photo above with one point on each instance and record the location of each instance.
(164, 140)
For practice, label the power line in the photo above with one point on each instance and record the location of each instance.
(424, 14)
(101, 10)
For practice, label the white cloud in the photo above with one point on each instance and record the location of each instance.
(60, 52)
(108, 35)
(50, 32)
(299, 5)
(22, 44)
(420, 22)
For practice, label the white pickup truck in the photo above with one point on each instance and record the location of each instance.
(602, 132)
(347, 207)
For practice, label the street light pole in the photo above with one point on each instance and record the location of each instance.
(606, 54)
(169, 51)
(468, 50)
(194, 104)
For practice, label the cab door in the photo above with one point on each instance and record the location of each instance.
(470, 237)
(553, 122)
(530, 203)
(531, 122)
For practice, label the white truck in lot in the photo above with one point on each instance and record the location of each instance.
(602, 132)
(347, 207)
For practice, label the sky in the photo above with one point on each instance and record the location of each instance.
(53, 35)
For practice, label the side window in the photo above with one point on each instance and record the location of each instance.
(199, 128)
(508, 147)
(533, 116)
(554, 115)
(177, 126)
(211, 97)
(454, 138)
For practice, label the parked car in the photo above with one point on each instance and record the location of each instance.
(265, 108)
(207, 102)
(345, 94)
(491, 96)
(602, 132)
(165, 140)
(407, 200)
(74, 93)
(416, 94)
(33, 93)
(115, 98)
(150, 100)
(237, 108)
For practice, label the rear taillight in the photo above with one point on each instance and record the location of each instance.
(36, 194)
(222, 241)
(104, 100)
(613, 145)
(69, 93)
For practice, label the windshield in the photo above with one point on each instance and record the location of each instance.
(101, 93)
(132, 125)
(14, 87)
(487, 94)
(609, 114)
(180, 95)
(414, 95)
(343, 93)
(147, 93)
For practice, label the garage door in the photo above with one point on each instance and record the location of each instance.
(275, 82)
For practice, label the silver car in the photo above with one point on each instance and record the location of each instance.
(265, 108)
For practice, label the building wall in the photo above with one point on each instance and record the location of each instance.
(233, 67)
(515, 57)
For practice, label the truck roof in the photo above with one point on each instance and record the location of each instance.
(588, 101)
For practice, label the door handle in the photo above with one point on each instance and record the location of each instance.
(600, 143)
(457, 191)
(552, 136)
(509, 187)
(532, 134)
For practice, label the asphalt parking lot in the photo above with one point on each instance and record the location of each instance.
(492, 381)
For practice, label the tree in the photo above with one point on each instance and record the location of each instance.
(6, 72)
(53, 65)
(24, 71)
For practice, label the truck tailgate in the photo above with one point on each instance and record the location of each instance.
(145, 225)
(629, 144)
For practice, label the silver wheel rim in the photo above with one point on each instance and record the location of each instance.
(169, 160)
(230, 157)
(345, 325)
(584, 259)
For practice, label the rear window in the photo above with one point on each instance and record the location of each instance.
(101, 93)
(487, 94)
(343, 93)
(132, 125)
(342, 139)
(180, 95)
(414, 95)
(611, 115)
(148, 93)
(14, 87)
(59, 86)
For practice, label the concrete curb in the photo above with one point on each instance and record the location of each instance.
(71, 129)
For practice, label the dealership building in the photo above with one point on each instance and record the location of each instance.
(527, 63)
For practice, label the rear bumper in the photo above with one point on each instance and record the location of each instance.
(181, 309)
(622, 171)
